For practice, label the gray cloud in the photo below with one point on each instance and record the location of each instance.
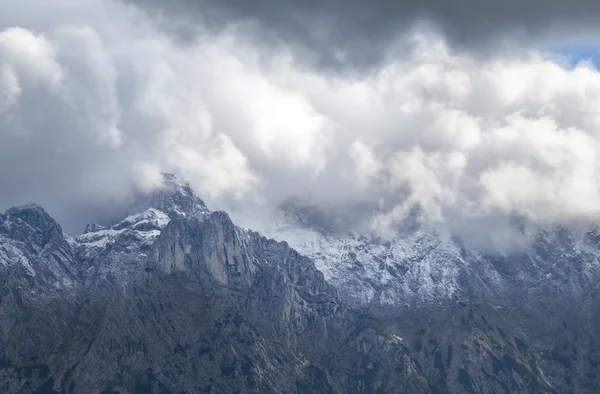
(344, 34)
(97, 101)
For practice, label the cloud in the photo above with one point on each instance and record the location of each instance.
(86, 113)
(342, 34)
(95, 105)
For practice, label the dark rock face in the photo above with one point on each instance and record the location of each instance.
(32, 225)
(178, 299)
(533, 330)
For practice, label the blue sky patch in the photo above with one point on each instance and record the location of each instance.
(577, 53)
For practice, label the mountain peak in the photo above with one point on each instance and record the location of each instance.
(30, 223)
(150, 214)
(173, 181)
(175, 197)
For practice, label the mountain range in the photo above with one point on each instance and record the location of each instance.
(175, 298)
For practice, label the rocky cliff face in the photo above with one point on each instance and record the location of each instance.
(176, 298)
(476, 320)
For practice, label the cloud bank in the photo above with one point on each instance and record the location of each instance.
(348, 34)
(96, 100)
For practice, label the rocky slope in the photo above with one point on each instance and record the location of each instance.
(475, 320)
(175, 298)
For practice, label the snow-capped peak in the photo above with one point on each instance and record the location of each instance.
(174, 197)
(150, 219)
(144, 227)
(149, 215)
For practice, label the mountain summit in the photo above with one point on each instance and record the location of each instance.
(174, 197)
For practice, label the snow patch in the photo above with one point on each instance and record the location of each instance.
(11, 255)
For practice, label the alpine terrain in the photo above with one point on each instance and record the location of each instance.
(474, 320)
(176, 298)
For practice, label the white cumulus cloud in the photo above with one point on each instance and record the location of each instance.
(93, 106)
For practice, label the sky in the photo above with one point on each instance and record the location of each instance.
(577, 52)
(468, 113)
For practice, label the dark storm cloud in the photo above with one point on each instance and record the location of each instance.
(358, 33)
